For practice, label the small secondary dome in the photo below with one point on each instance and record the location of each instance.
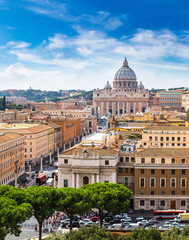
(125, 72)
(107, 86)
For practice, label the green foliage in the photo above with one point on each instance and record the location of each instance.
(73, 201)
(108, 197)
(43, 201)
(142, 234)
(92, 233)
(2, 103)
(187, 115)
(12, 215)
(176, 234)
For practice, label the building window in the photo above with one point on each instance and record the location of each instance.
(142, 203)
(107, 162)
(167, 138)
(142, 182)
(162, 172)
(126, 181)
(161, 139)
(152, 192)
(142, 192)
(184, 144)
(183, 172)
(127, 159)
(150, 138)
(178, 139)
(184, 139)
(173, 144)
(121, 159)
(30, 149)
(173, 160)
(183, 203)
(152, 203)
(142, 160)
(142, 171)
(173, 172)
(132, 170)
(162, 203)
(156, 139)
(183, 192)
(173, 182)
(173, 138)
(183, 160)
(126, 170)
(152, 171)
(183, 182)
(162, 192)
(132, 159)
(172, 192)
(120, 170)
(65, 183)
(162, 182)
(163, 160)
(65, 161)
(152, 182)
(152, 160)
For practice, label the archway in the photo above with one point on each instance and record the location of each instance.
(85, 180)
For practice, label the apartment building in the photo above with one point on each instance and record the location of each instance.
(170, 99)
(161, 179)
(12, 160)
(39, 139)
(166, 137)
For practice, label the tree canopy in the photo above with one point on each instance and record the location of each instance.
(12, 215)
(108, 198)
(73, 201)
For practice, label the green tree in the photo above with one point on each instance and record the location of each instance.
(84, 233)
(142, 234)
(187, 115)
(108, 198)
(43, 201)
(12, 215)
(73, 201)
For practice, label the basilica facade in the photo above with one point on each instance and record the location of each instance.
(126, 96)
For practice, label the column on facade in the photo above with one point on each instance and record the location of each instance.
(107, 107)
(102, 108)
(93, 178)
(128, 110)
(113, 108)
(97, 178)
(118, 108)
(123, 107)
(134, 107)
(77, 180)
(73, 180)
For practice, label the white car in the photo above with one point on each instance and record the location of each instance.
(139, 219)
(127, 219)
(84, 221)
(132, 226)
(115, 226)
(175, 224)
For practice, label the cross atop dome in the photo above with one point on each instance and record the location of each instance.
(125, 63)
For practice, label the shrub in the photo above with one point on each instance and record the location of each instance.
(84, 233)
(142, 234)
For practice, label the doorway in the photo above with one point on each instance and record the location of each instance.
(173, 204)
(85, 180)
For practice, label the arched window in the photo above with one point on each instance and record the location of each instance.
(85, 180)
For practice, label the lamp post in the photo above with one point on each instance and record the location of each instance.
(50, 158)
(41, 170)
(54, 181)
(16, 173)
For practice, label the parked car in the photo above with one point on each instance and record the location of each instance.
(132, 226)
(175, 224)
(139, 219)
(75, 224)
(153, 220)
(130, 211)
(143, 222)
(108, 218)
(94, 219)
(127, 219)
(88, 224)
(84, 221)
(115, 226)
(114, 221)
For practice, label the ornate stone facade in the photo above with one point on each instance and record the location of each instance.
(127, 96)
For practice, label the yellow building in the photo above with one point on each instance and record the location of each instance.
(11, 156)
(39, 139)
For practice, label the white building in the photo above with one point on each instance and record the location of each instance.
(82, 165)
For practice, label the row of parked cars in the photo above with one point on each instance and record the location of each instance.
(112, 222)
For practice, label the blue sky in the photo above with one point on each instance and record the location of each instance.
(57, 44)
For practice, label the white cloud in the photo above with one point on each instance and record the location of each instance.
(15, 45)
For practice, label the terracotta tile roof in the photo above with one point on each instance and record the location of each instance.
(164, 152)
(167, 128)
(91, 150)
(5, 137)
(35, 129)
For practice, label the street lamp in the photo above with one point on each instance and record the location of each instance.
(16, 173)
(41, 170)
(30, 165)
